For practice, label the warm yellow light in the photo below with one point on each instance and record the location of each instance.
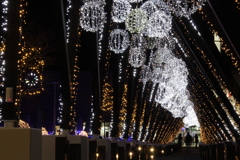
(97, 154)
(152, 156)
(162, 151)
(117, 156)
(139, 148)
(152, 149)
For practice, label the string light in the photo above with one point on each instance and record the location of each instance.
(185, 8)
(134, 1)
(136, 20)
(123, 111)
(2, 71)
(69, 6)
(60, 109)
(4, 15)
(120, 10)
(220, 80)
(119, 40)
(92, 16)
(107, 100)
(137, 57)
(31, 75)
(149, 8)
(159, 24)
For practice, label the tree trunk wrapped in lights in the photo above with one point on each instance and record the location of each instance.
(11, 57)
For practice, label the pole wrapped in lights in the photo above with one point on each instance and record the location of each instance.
(145, 75)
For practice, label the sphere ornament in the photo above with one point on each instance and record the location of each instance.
(149, 7)
(136, 20)
(120, 10)
(119, 40)
(32, 79)
(159, 24)
(92, 16)
(151, 42)
(156, 75)
(161, 57)
(135, 1)
(138, 41)
(162, 6)
(185, 8)
(167, 41)
(137, 57)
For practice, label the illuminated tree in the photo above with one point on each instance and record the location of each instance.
(36, 54)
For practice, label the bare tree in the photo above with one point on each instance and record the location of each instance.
(37, 54)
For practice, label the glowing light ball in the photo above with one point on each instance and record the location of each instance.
(119, 40)
(92, 16)
(136, 20)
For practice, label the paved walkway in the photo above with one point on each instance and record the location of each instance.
(185, 154)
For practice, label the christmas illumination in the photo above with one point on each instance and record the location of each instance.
(136, 20)
(92, 16)
(137, 57)
(185, 8)
(119, 40)
(159, 24)
(149, 7)
(4, 21)
(69, 6)
(120, 10)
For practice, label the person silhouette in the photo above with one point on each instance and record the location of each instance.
(196, 140)
(188, 140)
(180, 142)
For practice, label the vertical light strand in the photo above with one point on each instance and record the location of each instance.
(69, 6)
(2, 50)
(123, 110)
(92, 117)
(74, 93)
(19, 90)
(237, 4)
(60, 108)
